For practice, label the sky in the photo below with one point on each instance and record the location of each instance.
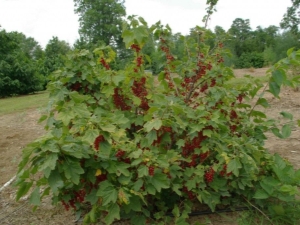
(43, 19)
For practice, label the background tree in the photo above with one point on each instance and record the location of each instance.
(54, 55)
(291, 18)
(18, 65)
(100, 21)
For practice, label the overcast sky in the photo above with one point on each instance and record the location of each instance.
(43, 19)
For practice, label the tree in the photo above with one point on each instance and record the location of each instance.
(100, 20)
(54, 52)
(291, 18)
(18, 68)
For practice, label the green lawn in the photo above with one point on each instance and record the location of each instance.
(21, 103)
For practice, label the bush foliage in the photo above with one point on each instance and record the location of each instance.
(122, 144)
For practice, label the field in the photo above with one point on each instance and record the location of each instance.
(18, 127)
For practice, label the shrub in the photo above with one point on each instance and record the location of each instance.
(123, 145)
(252, 59)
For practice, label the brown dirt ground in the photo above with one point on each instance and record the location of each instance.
(19, 129)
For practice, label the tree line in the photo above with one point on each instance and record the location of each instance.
(25, 65)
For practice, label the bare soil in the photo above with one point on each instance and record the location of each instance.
(19, 129)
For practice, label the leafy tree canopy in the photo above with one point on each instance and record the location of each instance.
(100, 20)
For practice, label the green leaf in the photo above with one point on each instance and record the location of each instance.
(255, 113)
(81, 110)
(108, 128)
(108, 90)
(35, 198)
(154, 123)
(287, 115)
(274, 88)
(118, 78)
(128, 38)
(261, 194)
(23, 189)
(72, 171)
(55, 181)
(50, 162)
(78, 98)
(207, 133)
(276, 132)
(151, 136)
(90, 136)
(108, 193)
(233, 166)
(65, 116)
(286, 131)
(141, 34)
(278, 77)
(159, 181)
(143, 171)
(263, 102)
(113, 213)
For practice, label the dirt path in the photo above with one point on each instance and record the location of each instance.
(19, 129)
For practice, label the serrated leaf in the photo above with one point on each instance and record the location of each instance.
(72, 171)
(90, 136)
(49, 162)
(65, 116)
(207, 133)
(55, 181)
(151, 136)
(108, 128)
(153, 124)
(143, 171)
(81, 110)
(118, 78)
(233, 166)
(108, 193)
(160, 181)
(128, 38)
(113, 213)
(78, 98)
(35, 198)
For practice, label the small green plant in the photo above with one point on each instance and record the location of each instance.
(123, 145)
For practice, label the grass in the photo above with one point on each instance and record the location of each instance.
(21, 103)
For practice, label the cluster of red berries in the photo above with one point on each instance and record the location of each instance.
(104, 63)
(120, 153)
(190, 194)
(151, 170)
(240, 98)
(119, 100)
(76, 86)
(166, 50)
(80, 195)
(139, 61)
(136, 48)
(209, 175)
(139, 90)
(223, 172)
(97, 141)
(190, 146)
(233, 115)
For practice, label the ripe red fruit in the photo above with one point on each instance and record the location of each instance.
(209, 175)
(97, 141)
(151, 170)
